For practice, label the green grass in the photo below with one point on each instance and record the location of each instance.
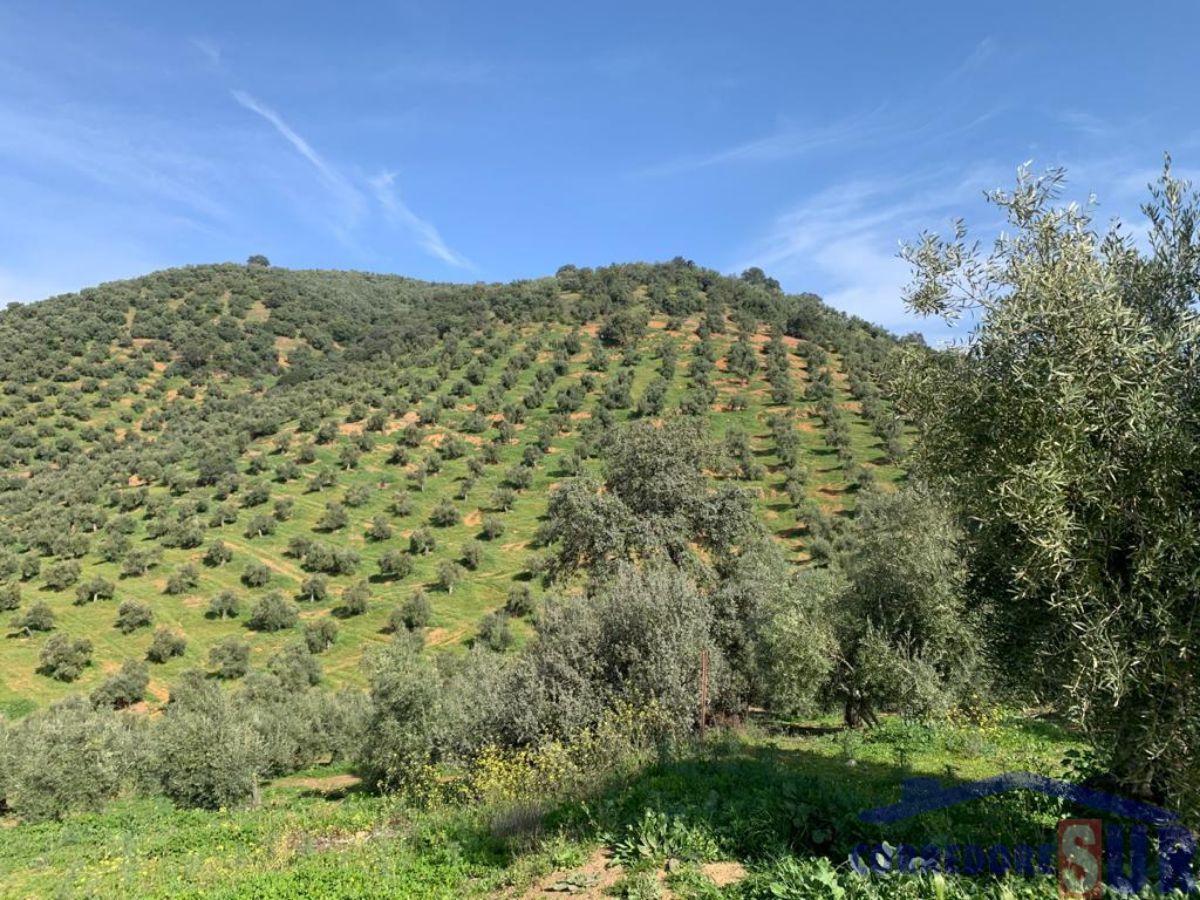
(456, 615)
(751, 797)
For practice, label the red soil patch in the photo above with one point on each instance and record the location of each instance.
(724, 873)
(592, 880)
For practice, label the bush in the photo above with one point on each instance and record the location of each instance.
(125, 688)
(224, 605)
(398, 740)
(519, 601)
(45, 774)
(230, 658)
(183, 579)
(355, 599)
(166, 645)
(273, 613)
(205, 753)
(444, 514)
(449, 574)
(421, 542)
(94, 589)
(64, 658)
(10, 597)
(256, 575)
(395, 564)
(39, 617)
(492, 527)
(295, 667)
(132, 615)
(320, 635)
(416, 612)
(472, 554)
(495, 632)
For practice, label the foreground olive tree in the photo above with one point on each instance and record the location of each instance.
(1067, 433)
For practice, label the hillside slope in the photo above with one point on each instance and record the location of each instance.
(341, 441)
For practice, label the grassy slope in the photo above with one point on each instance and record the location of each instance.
(456, 615)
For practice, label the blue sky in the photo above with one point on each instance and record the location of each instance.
(485, 141)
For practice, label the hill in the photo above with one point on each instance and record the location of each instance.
(338, 442)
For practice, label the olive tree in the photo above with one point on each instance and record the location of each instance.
(205, 752)
(1068, 433)
(45, 774)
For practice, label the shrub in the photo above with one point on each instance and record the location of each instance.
(492, 527)
(295, 667)
(94, 589)
(125, 688)
(495, 632)
(355, 599)
(230, 658)
(319, 635)
(273, 613)
(421, 542)
(64, 658)
(224, 605)
(256, 575)
(444, 514)
(205, 752)
(132, 615)
(519, 601)
(416, 612)
(46, 776)
(165, 645)
(395, 564)
(38, 617)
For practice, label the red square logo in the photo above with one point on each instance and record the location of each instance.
(1080, 858)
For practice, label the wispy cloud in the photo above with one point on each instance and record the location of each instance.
(978, 58)
(787, 142)
(1086, 123)
(125, 155)
(333, 179)
(910, 118)
(383, 187)
(386, 192)
(209, 50)
(845, 238)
